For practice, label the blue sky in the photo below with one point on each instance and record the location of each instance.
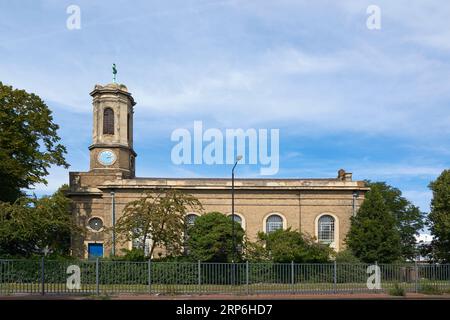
(374, 102)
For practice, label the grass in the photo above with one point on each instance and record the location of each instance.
(431, 289)
(393, 288)
(191, 288)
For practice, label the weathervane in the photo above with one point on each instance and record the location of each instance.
(114, 70)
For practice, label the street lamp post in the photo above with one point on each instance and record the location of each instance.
(233, 231)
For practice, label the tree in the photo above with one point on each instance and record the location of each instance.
(35, 226)
(373, 234)
(157, 216)
(28, 142)
(210, 238)
(408, 218)
(285, 246)
(346, 256)
(439, 217)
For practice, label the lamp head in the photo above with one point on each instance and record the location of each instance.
(239, 158)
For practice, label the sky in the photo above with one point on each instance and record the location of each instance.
(372, 101)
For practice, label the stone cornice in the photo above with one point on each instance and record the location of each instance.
(112, 88)
(112, 145)
(240, 184)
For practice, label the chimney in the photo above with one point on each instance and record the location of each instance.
(344, 176)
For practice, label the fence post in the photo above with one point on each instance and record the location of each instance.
(97, 277)
(416, 277)
(43, 275)
(149, 264)
(292, 277)
(247, 277)
(199, 276)
(335, 277)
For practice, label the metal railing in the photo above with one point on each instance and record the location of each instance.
(112, 277)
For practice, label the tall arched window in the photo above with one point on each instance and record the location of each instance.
(108, 121)
(189, 222)
(236, 218)
(190, 219)
(325, 230)
(137, 241)
(274, 222)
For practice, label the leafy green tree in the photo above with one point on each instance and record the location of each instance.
(439, 217)
(157, 216)
(284, 246)
(211, 239)
(408, 218)
(346, 256)
(32, 226)
(28, 142)
(373, 234)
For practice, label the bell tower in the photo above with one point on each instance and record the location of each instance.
(112, 137)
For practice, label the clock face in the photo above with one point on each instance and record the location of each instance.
(106, 157)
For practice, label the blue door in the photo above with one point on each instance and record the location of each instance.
(95, 250)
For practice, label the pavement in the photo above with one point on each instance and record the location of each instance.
(352, 296)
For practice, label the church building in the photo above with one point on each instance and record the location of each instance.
(321, 208)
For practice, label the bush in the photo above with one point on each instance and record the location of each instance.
(136, 255)
(210, 239)
(285, 246)
(397, 290)
(346, 256)
(428, 288)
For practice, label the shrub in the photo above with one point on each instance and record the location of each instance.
(210, 239)
(428, 288)
(346, 256)
(136, 255)
(285, 246)
(397, 290)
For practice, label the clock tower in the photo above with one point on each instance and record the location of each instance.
(112, 137)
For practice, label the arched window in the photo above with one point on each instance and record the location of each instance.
(274, 222)
(325, 230)
(108, 121)
(237, 218)
(190, 219)
(137, 241)
(189, 222)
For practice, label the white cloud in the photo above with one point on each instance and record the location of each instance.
(390, 171)
(422, 199)
(57, 177)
